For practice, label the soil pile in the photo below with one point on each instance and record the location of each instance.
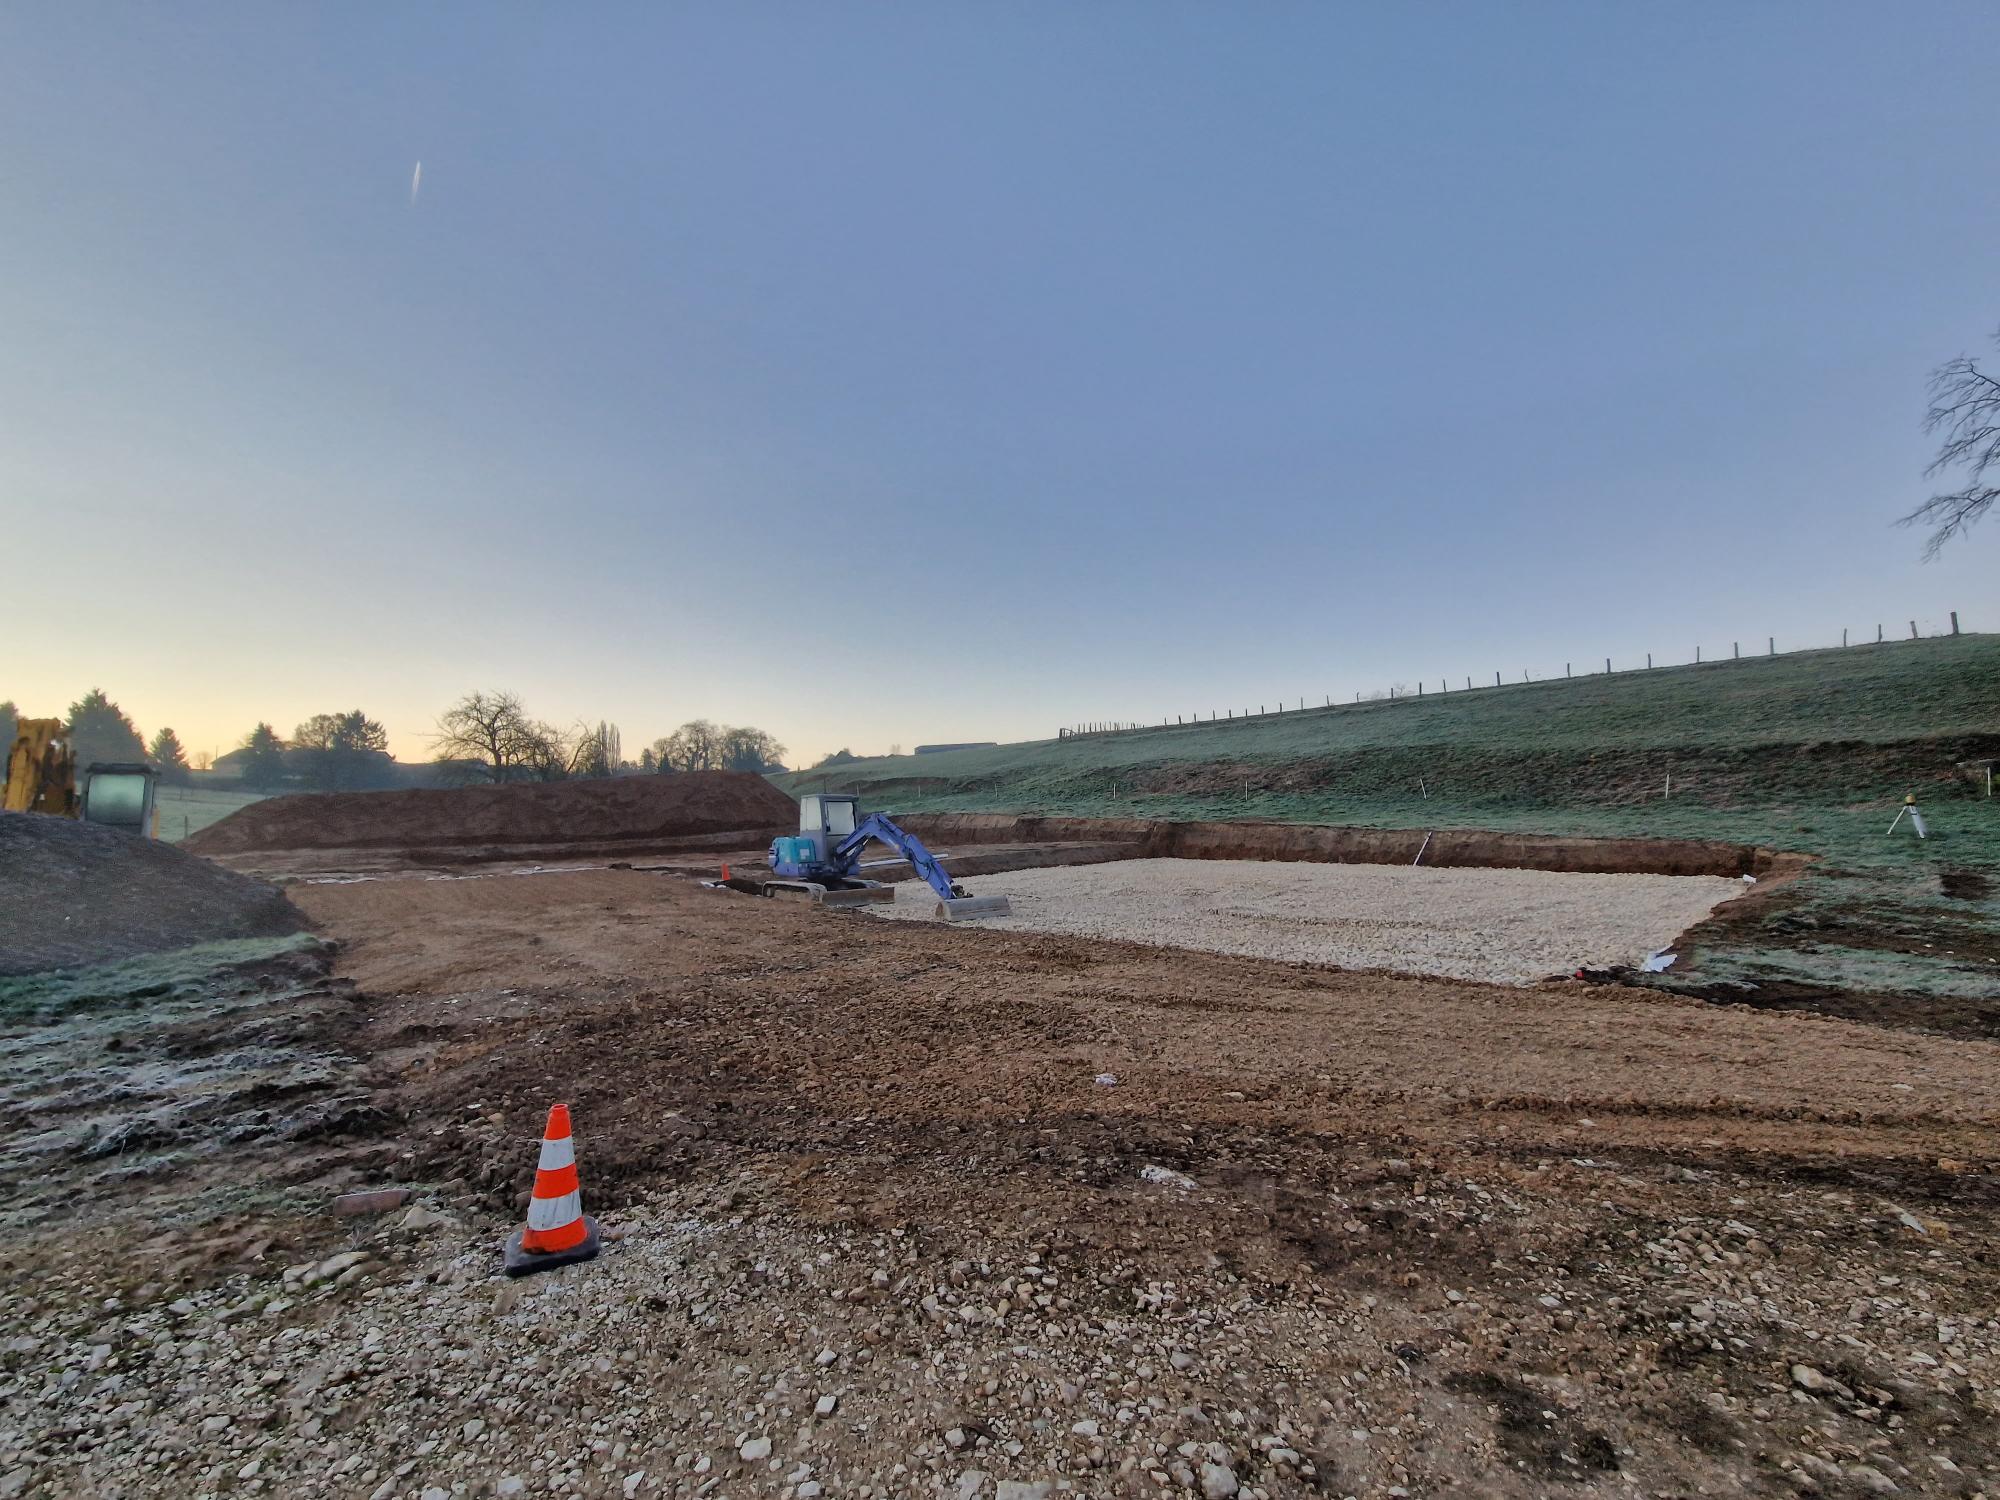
(625, 809)
(73, 893)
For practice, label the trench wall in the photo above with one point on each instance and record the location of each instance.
(1145, 838)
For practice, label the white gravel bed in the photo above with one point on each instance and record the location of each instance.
(1503, 926)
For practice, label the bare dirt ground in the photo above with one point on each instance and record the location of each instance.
(884, 1231)
(1502, 926)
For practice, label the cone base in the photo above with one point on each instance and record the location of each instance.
(518, 1262)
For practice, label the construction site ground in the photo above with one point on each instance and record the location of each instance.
(1503, 926)
(913, 1209)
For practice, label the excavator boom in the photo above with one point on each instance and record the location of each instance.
(953, 903)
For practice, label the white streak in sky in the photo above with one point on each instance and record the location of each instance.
(416, 181)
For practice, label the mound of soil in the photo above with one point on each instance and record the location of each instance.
(622, 809)
(73, 893)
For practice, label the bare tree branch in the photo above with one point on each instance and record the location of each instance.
(1965, 412)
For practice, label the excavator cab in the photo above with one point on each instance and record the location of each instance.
(826, 819)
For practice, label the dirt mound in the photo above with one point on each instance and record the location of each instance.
(583, 813)
(72, 893)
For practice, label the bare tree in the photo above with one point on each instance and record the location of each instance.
(695, 746)
(491, 736)
(596, 752)
(546, 753)
(1965, 408)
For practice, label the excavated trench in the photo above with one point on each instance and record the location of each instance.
(1506, 908)
(1095, 840)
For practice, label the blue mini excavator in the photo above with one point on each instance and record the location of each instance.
(823, 861)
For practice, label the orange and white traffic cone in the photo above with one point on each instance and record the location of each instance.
(559, 1232)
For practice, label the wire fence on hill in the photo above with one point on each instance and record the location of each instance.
(1422, 689)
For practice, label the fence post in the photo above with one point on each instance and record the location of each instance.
(1607, 666)
(1566, 671)
(1736, 651)
(1878, 635)
(1843, 636)
(1913, 630)
(1773, 643)
(1954, 622)
(1496, 679)
(1649, 661)
(1697, 656)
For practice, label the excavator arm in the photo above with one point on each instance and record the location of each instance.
(879, 828)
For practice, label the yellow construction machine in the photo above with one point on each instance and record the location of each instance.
(41, 772)
(41, 778)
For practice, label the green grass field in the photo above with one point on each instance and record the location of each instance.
(1810, 752)
(187, 810)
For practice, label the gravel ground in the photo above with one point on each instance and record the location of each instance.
(1504, 926)
(720, 1347)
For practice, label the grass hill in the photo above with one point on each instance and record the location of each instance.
(1811, 751)
(1754, 748)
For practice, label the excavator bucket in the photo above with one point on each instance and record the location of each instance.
(972, 908)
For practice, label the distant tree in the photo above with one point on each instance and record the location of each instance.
(491, 735)
(695, 746)
(837, 758)
(203, 760)
(10, 725)
(750, 750)
(1965, 408)
(895, 749)
(547, 754)
(264, 762)
(596, 752)
(99, 731)
(342, 752)
(649, 761)
(166, 753)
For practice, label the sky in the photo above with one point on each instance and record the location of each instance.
(896, 373)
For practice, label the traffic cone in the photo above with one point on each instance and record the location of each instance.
(559, 1232)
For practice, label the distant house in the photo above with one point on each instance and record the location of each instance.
(968, 745)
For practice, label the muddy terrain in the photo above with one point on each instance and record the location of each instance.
(901, 1209)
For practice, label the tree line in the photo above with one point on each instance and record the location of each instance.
(483, 737)
(491, 737)
(99, 732)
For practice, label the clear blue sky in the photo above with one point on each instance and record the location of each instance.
(915, 372)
